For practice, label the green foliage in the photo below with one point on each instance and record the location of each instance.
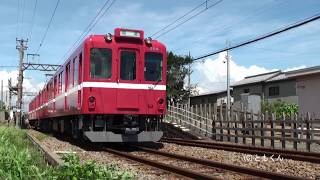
(177, 72)
(73, 169)
(2, 106)
(279, 108)
(19, 159)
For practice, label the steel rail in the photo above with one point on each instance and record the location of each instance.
(50, 157)
(163, 166)
(289, 154)
(215, 164)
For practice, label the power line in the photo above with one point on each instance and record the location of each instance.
(33, 17)
(229, 25)
(90, 26)
(22, 20)
(259, 38)
(188, 19)
(18, 19)
(195, 8)
(45, 34)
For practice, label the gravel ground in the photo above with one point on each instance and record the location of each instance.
(284, 166)
(104, 158)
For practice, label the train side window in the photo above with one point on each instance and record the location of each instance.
(152, 66)
(55, 87)
(100, 63)
(75, 71)
(67, 77)
(128, 65)
(80, 69)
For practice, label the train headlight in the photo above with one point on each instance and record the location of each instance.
(108, 37)
(160, 101)
(92, 103)
(148, 40)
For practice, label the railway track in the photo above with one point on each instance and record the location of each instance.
(288, 154)
(202, 170)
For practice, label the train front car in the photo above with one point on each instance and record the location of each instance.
(123, 88)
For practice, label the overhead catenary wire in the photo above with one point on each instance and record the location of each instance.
(48, 26)
(18, 19)
(188, 19)
(103, 10)
(22, 17)
(262, 37)
(231, 24)
(195, 8)
(33, 17)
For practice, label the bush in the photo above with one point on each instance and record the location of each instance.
(279, 108)
(19, 159)
(73, 169)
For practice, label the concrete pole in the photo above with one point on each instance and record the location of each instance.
(21, 46)
(189, 80)
(228, 84)
(2, 92)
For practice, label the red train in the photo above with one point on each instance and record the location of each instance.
(111, 89)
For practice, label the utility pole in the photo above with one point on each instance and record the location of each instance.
(2, 91)
(228, 83)
(21, 47)
(189, 83)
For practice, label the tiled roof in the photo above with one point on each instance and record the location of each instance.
(303, 72)
(257, 78)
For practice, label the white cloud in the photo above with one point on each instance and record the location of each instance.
(295, 68)
(28, 86)
(213, 73)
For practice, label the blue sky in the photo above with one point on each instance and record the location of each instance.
(230, 20)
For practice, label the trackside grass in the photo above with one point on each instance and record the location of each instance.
(19, 159)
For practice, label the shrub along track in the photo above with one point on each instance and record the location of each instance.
(289, 154)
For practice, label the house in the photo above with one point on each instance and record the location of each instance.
(219, 97)
(308, 89)
(271, 87)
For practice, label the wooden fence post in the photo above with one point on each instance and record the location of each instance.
(295, 134)
(210, 117)
(283, 132)
(244, 121)
(253, 139)
(196, 119)
(201, 118)
(221, 125)
(236, 127)
(262, 119)
(272, 128)
(215, 117)
(308, 132)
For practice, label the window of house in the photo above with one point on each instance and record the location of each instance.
(274, 91)
(153, 66)
(246, 91)
(100, 63)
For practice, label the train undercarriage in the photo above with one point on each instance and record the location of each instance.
(105, 128)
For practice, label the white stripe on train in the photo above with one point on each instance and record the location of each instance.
(104, 85)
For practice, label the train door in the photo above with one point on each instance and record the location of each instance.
(127, 79)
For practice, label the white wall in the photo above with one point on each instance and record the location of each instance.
(308, 91)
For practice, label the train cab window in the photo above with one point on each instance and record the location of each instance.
(100, 63)
(128, 65)
(153, 67)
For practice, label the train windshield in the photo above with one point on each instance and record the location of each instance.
(128, 65)
(153, 66)
(100, 63)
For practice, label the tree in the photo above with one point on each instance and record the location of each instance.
(177, 71)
